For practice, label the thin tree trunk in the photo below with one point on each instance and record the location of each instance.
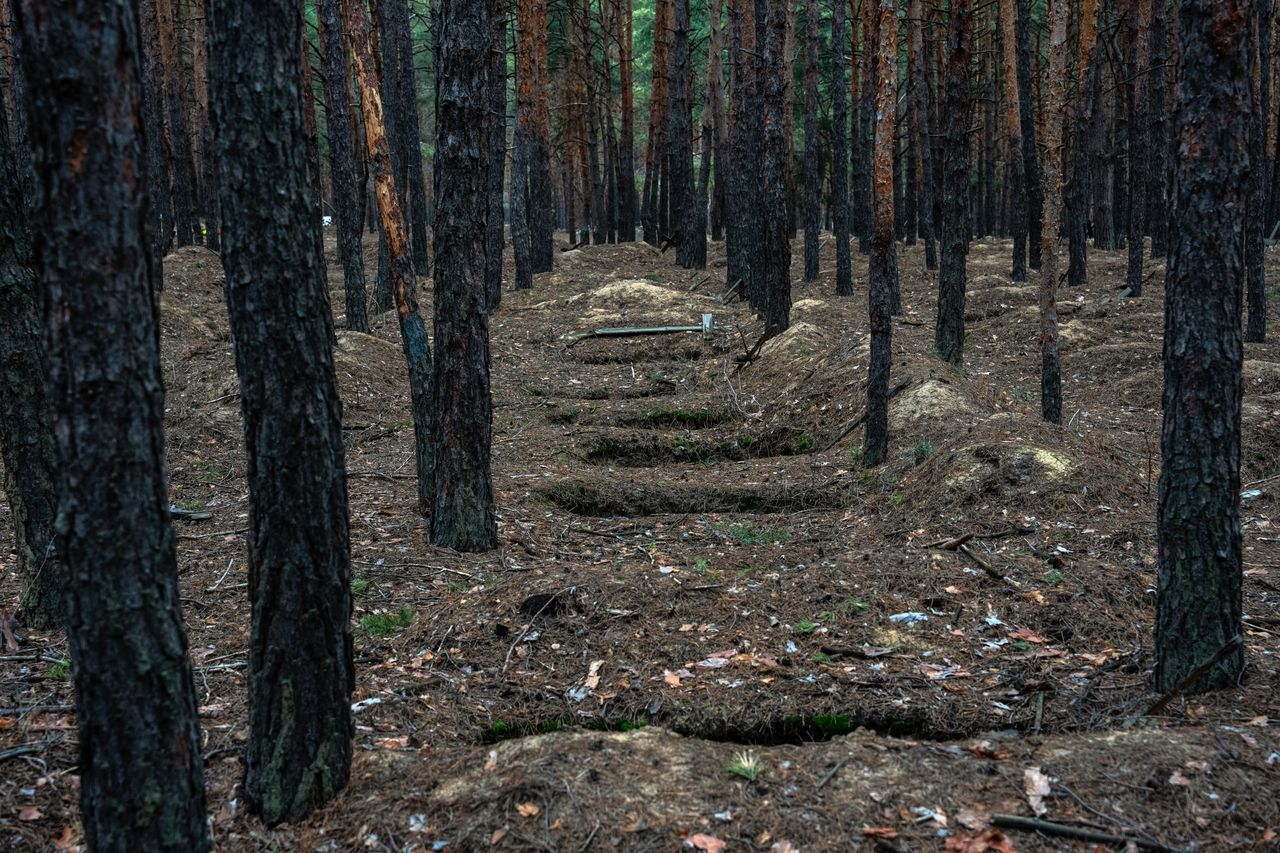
(952, 278)
(880, 268)
(301, 668)
(772, 26)
(840, 148)
(342, 164)
(497, 156)
(742, 237)
(1057, 110)
(716, 102)
(1255, 219)
(413, 330)
(1138, 151)
(1013, 115)
(182, 164)
(627, 204)
(1199, 576)
(812, 167)
(1032, 173)
(141, 775)
(923, 139)
(691, 251)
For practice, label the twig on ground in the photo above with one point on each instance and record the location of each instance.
(1083, 833)
(1192, 677)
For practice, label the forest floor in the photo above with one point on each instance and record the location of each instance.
(697, 574)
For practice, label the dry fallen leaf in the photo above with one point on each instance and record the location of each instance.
(498, 835)
(491, 763)
(1176, 778)
(784, 847)
(65, 841)
(671, 678)
(30, 813)
(593, 675)
(1036, 785)
(879, 832)
(529, 809)
(702, 841)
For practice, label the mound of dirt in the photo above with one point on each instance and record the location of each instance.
(932, 401)
(639, 302)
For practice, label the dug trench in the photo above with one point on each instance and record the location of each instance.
(696, 571)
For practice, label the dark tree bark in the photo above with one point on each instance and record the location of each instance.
(627, 204)
(691, 251)
(27, 445)
(952, 278)
(1198, 590)
(413, 329)
(301, 670)
(742, 231)
(342, 163)
(463, 518)
(1255, 219)
(400, 104)
(1139, 153)
(840, 148)
(141, 775)
(1033, 175)
(496, 161)
(772, 24)
(530, 167)
(716, 102)
(1013, 115)
(1158, 201)
(541, 209)
(881, 268)
(1082, 165)
(182, 165)
(812, 210)
(159, 190)
(207, 164)
(922, 141)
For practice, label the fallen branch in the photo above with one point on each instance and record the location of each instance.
(724, 298)
(1192, 677)
(1083, 833)
(23, 710)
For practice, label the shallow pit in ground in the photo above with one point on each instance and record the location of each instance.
(611, 497)
(648, 448)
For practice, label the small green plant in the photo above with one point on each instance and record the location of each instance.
(746, 764)
(569, 411)
(1053, 577)
(851, 605)
(805, 626)
(746, 533)
(533, 390)
(745, 440)
(896, 499)
(61, 671)
(702, 565)
(359, 585)
(821, 657)
(921, 451)
(381, 624)
(805, 443)
(199, 265)
(458, 585)
(855, 454)
(827, 616)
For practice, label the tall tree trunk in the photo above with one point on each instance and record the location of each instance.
(541, 221)
(1082, 165)
(496, 162)
(1198, 587)
(208, 177)
(880, 267)
(840, 148)
(742, 236)
(1056, 112)
(864, 134)
(923, 139)
(400, 100)
(342, 163)
(772, 26)
(182, 165)
(952, 278)
(627, 206)
(1032, 173)
(1141, 13)
(1013, 115)
(301, 668)
(27, 444)
(1255, 219)
(1158, 201)
(812, 144)
(691, 251)
(716, 102)
(413, 330)
(141, 774)
(463, 518)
